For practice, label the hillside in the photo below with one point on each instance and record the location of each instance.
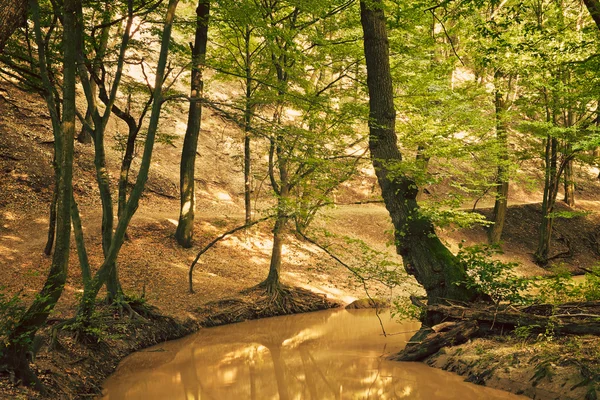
(152, 263)
(153, 266)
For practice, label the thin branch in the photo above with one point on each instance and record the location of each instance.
(215, 241)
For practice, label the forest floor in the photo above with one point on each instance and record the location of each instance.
(153, 267)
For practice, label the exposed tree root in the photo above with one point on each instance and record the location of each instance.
(460, 323)
(263, 301)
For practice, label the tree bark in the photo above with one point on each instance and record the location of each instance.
(459, 334)
(569, 183)
(272, 283)
(13, 14)
(185, 228)
(52, 215)
(501, 202)
(593, 7)
(551, 184)
(91, 291)
(247, 128)
(424, 255)
(19, 341)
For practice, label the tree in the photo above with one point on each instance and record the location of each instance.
(502, 181)
(108, 266)
(20, 340)
(241, 55)
(185, 228)
(13, 14)
(424, 255)
(300, 149)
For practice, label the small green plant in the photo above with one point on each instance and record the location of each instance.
(493, 277)
(590, 288)
(11, 310)
(558, 288)
(523, 332)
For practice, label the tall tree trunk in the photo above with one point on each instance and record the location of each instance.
(247, 128)
(185, 228)
(52, 213)
(424, 255)
(569, 183)
(91, 291)
(273, 283)
(501, 203)
(13, 14)
(282, 190)
(551, 184)
(20, 339)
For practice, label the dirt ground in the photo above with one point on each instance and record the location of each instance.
(545, 368)
(153, 266)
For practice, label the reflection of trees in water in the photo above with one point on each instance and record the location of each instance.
(312, 356)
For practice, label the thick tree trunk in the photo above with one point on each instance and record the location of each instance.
(593, 7)
(272, 283)
(424, 255)
(501, 203)
(133, 130)
(13, 14)
(21, 338)
(185, 228)
(52, 216)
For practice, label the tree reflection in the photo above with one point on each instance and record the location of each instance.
(324, 355)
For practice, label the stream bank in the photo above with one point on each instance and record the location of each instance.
(542, 367)
(76, 369)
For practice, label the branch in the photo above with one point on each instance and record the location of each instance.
(448, 36)
(217, 239)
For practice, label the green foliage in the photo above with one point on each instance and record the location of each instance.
(561, 287)
(462, 219)
(11, 310)
(99, 327)
(366, 265)
(492, 276)
(404, 310)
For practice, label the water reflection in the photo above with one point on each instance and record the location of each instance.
(325, 355)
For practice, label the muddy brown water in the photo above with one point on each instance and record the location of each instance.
(335, 354)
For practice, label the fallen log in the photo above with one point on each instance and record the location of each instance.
(563, 322)
(448, 335)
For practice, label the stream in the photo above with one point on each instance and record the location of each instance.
(334, 354)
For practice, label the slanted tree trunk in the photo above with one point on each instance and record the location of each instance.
(20, 339)
(424, 255)
(13, 14)
(501, 203)
(185, 228)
